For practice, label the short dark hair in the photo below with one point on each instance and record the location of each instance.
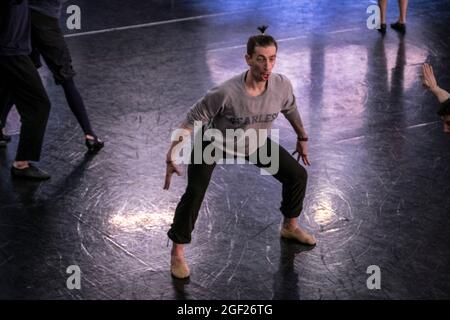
(444, 110)
(262, 40)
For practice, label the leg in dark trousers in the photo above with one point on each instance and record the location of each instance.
(293, 178)
(21, 81)
(6, 102)
(186, 214)
(187, 210)
(48, 41)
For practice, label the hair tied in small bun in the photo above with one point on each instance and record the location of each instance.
(263, 29)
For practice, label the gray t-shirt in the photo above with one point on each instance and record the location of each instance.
(50, 8)
(229, 106)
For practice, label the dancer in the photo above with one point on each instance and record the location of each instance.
(251, 100)
(48, 41)
(429, 82)
(20, 81)
(400, 25)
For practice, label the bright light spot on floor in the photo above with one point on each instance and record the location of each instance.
(141, 220)
(323, 212)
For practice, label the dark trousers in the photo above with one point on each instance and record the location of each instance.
(291, 174)
(20, 82)
(5, 108)
(48, 41)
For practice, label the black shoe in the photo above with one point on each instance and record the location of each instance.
(32, 172)
(382, 29)
(400, 27)
(94, 145)
(4, 137)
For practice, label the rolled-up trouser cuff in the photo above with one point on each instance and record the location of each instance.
(177, 238)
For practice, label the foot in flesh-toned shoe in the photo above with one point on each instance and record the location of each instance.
(299, 235)
(179, 268)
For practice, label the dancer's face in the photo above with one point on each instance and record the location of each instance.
(261, 62)
(446, 121)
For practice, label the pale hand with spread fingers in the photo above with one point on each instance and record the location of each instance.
(428, 78)
(302, 150)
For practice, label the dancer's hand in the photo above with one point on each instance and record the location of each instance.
(302, 150)
(170, 169)
(428, 78)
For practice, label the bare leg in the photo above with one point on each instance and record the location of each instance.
(403, 6)
(382, 4)
(400, 25)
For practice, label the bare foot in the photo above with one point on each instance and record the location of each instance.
(178, 267)
(298, 234)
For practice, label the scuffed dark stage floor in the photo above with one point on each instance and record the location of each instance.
(378, 191)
